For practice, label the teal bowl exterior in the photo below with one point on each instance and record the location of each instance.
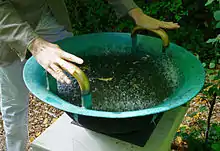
(192, 69)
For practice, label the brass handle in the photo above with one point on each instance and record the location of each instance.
(159, 32)
(84, 85)
(82, 80)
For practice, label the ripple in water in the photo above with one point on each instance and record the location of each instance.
(123, 81)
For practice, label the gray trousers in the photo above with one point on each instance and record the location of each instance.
(14, 94)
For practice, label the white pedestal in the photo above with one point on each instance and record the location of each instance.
(64, 136)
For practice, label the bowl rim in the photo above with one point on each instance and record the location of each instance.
(61, 104)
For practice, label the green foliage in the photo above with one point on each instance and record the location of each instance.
(214, 40)
(210, 2)
(212, 89)
(88, 16)
(217, 15)
(212, 85)
(215, 137)
(194, 135)
(213, 82)
(216, 147)
(165, 10)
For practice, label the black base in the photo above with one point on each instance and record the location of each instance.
(132, 130)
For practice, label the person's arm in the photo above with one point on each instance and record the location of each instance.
(122, 7)
(128, 7)
(19, 35)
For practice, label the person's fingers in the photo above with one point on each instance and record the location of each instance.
(60, 75)
(168, 25)
(54, 74)
(165, 25)
(66, 66)
(70, 57)
(174, 25)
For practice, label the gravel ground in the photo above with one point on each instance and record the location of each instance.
(42, 115)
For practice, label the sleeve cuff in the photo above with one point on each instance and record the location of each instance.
(122, 7)
(21, 43)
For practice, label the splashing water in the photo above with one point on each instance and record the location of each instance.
(122, 81)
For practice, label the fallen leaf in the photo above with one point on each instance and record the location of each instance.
(105, 79)
(188, 118)
(45, 121)
(185, 126)
(37, 134)
(86, 67)
(196, 116)
(178, 140)
(218, 116)
(31, 139)
(136, 62)
(54, 120)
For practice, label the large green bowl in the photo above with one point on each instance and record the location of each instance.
(192, 69)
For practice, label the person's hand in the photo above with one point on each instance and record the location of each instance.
(148, 22)
(53, 59)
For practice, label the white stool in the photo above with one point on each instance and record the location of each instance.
(64, 136)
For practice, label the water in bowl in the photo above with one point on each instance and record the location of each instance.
(122, 81)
